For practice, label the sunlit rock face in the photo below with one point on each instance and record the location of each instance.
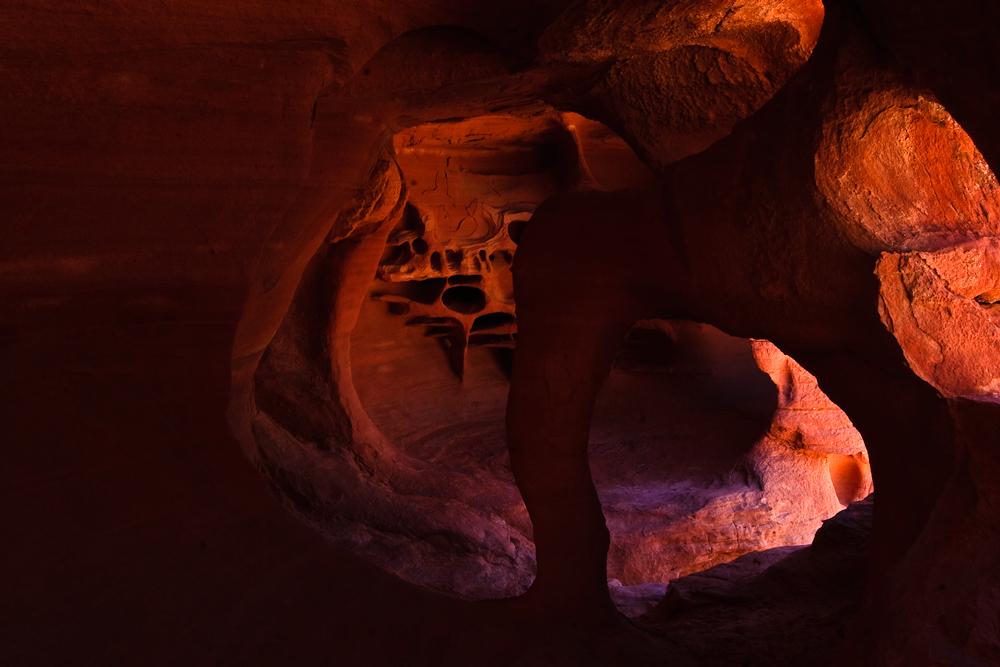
(808, 465)
(944, 309)
(703, 65)
(808, 423)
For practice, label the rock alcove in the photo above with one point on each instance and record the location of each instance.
(697, 455)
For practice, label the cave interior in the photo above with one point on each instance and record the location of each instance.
(551, 333)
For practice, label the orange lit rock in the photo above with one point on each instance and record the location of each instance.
(472, 187)
(942, 307)
(703, 65)
(901, 172)
(809, 423)
(465, 185)
(809, 465)
(321, 453)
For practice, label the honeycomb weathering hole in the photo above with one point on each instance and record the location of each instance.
(848, 477)
(464, 299)
(492, 321)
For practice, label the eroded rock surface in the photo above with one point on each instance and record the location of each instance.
(809, 464)
(808, 423)
(324, 457)
(473, 185)
(765, 608)
(943, 309)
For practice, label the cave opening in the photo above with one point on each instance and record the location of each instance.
(696, 456)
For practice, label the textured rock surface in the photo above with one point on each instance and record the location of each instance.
(809, 423)
(763, 608)
(473, 185)
(806, 467)
(322, 454)
(468, 185)
(703, 65)
(450, 257)
(943, 308)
